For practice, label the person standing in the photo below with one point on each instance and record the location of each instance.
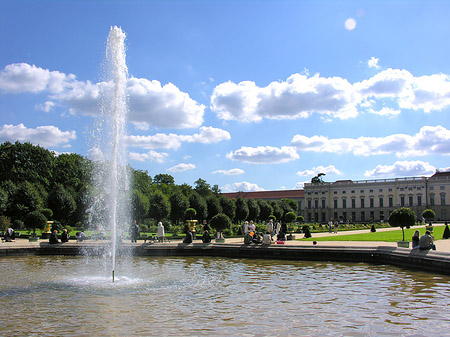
(252, 227)
(134, 232)
(269, 228)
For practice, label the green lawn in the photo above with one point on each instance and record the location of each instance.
(388, 236)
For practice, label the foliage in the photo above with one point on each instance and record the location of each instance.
(428, 214)
(242, 210)
(402, 217)
(5, 223)
(178, 206)
(300, 218)
(290, 217)
(220, 222)
(26, 199)
(202, 187)
(253, 209)
(277, 210)
(197, 202)
(159, 206)
(35, 220)
(62, 203)
(228, 206)
(163, 179)
(140, 205)
(213, 206)
(265, 210)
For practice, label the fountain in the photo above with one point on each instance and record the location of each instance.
(111, 199)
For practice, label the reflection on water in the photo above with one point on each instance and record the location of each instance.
(72, 296)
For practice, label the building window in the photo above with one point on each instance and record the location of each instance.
(316, 203)
(363, 216)
(372, 215)
(362, 203)
(353, 203)
(335, 203)
(381, 202)
(391, 202)
(353, 191)
(335, 192)
(323, 203)
(380, 190)
(372, 203)
(442, 199)
(442, 188)
(371, 191)
(344, 203)
(390, 190)
(431, 188)
(431, 199)
(402, 201)
(411, 201)
(362, 191)
(309, 203)
(419, 200)
(344, 192)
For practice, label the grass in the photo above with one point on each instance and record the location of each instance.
(387, 236)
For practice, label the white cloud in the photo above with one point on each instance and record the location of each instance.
(429, 140)
(331, 169)
(46, 107)
(232, 172)
(402, 169)
(385, 112)
(45, 136)
(243, 186)
(297, 97)
(300, 185)
(207, 135)
(373, 62)
(151, 155)
(22, 77)
(181, 167)
(350, 24)
(150, 103)
(264, 154)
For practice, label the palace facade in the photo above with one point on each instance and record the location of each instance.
(365, 200)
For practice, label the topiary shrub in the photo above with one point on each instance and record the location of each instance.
(402, 217)
(35, 220)
(220, 222)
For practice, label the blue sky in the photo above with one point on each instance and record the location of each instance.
(248, 95)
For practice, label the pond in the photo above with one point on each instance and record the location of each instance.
(200, 296)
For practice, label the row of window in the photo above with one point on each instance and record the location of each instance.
(418, 188)
(381, 203)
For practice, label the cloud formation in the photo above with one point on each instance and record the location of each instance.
(243, 186)
(232, 172)
(331, 169)
(402, 169)
(207, 135)
(151, 155)
(429, 140)
(301, 96)
(150, 103)
(181, 167)
(45, 136)
(264, 155)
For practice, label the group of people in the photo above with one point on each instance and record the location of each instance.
(333, 226)
(206, 237)
(54, 236)
(424, 242)
(10, 235)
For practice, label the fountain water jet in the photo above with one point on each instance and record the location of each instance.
(111, 201)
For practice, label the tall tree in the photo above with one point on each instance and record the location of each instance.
(241, 210)
(197, 202)
(213, 205)
(265, 210)
(140, 205)
(277, 210)
(228, 206)
(61, 202)
(202, 187)
(159, 206)
(26, 199)
(141, 181)
(178, 206)
(163, 179)
(253, 209)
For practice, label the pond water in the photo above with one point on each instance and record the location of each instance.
(74, 296)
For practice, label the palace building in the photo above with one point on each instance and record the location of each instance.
(365, 200)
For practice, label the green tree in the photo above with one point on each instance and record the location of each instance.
(72, 171)
(277, 210)
(140, 205)
(253, 209)
(290, 217)
(141, 181)
(197, 202)
(242, 210)
(3, 201)
(178, 206)
(220, 222)
(402, 217)
(26, 162)
(213, 205)
(159, 206)
(61, 203)
(164, 179)
(35, 220)
(265, 210)
(228, 206)
(26, 199)
(428, 214)
(202, 187)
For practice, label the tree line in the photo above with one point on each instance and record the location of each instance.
(37, 185)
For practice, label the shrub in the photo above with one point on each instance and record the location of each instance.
(220, 222)
(35, 220)
(402, 217)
